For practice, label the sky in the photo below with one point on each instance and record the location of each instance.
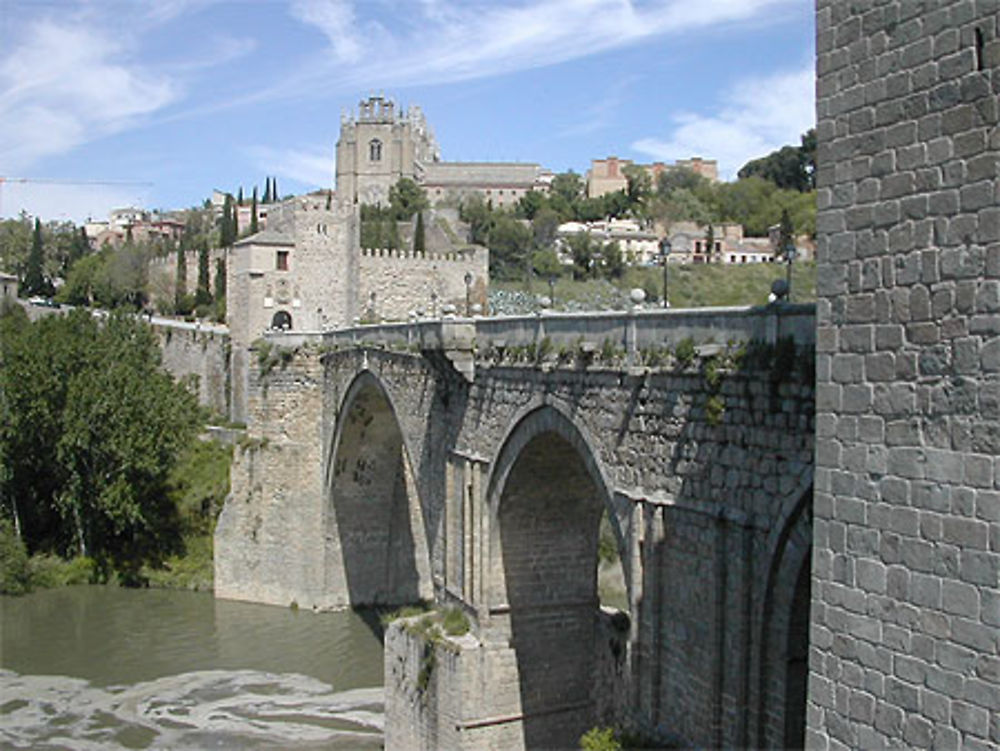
(154, 103)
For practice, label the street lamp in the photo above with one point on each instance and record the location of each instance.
(789, 257)
(665, 248)
(468, 294)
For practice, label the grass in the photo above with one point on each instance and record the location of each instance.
(691, 286)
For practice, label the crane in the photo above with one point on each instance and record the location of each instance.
(63, 181)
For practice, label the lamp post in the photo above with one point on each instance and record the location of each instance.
(789, 257)
(552, 291)
(468, 294)
(665, 248)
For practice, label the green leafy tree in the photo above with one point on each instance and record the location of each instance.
(709, 242)
(613, 261)
(92, 428)
(544, 227)
(479, 216)
(790, 167)
(82, 280)
(530, 204)
(639, 184)
(406, 198)
(510, 244)
(678, 178)
(583, 251)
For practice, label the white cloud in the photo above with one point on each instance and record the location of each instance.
(760, 115)
(440, 41)
(71, 202)
(312, 168)
(63, 86)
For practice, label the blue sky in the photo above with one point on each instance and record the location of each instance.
(157, 102)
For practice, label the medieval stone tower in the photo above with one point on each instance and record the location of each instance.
(378, 147)
(905, 636)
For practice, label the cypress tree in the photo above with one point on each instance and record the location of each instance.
(180, 282)
(267, 190)
(274, 190)
(239, 197)
(220, 279)
(419, 240)
(227, 231)
(202, 296)
(34, 280)
(253, 212)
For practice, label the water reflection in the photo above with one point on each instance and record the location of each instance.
(99, 667)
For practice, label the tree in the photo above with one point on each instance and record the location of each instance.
(34, 279)
(509, 242)
(613, 262)
(202, 295)
(419, 240)
(569, 186)
(274, 190)
(790, 167)
(639, 184)
(91, 430)
(474, 212)
(584, 255)
(544, 227)
(253, 212)
(406, 198)
(786, 234)
(180, 288)
(227, 230)
(267, 190)
(220, 289)
(239, 197)
(709, 242)
(530, 204)
(678, 178)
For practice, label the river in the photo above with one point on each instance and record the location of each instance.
(108, 668)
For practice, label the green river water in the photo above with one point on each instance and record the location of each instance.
(108, 668)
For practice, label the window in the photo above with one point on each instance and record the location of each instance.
(282, 320)
(697, 246)
(281, 263)
(375, 150)
(718, 247)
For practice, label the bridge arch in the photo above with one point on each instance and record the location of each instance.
(375, 530)
(547, 493)
(784, 627)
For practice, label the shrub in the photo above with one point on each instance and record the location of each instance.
(15, 576)
(455, 622)
(600, 739)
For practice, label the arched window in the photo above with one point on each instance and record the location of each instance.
(282, 320)
(375, 150)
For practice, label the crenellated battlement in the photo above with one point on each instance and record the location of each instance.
(457, 256)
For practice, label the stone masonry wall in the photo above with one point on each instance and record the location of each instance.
(906, 570)
(199, 358)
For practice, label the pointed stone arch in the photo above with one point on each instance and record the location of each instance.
(784, 627)
(547, 493)
(376, 539)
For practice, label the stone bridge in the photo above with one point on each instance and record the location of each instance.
(469, 463)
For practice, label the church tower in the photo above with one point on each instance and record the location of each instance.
(378, 147)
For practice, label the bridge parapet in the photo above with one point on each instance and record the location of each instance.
(631, 331)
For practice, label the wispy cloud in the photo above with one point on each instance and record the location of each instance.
(443, 41)
(64, 85)
(312, 167)
(760, 115)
